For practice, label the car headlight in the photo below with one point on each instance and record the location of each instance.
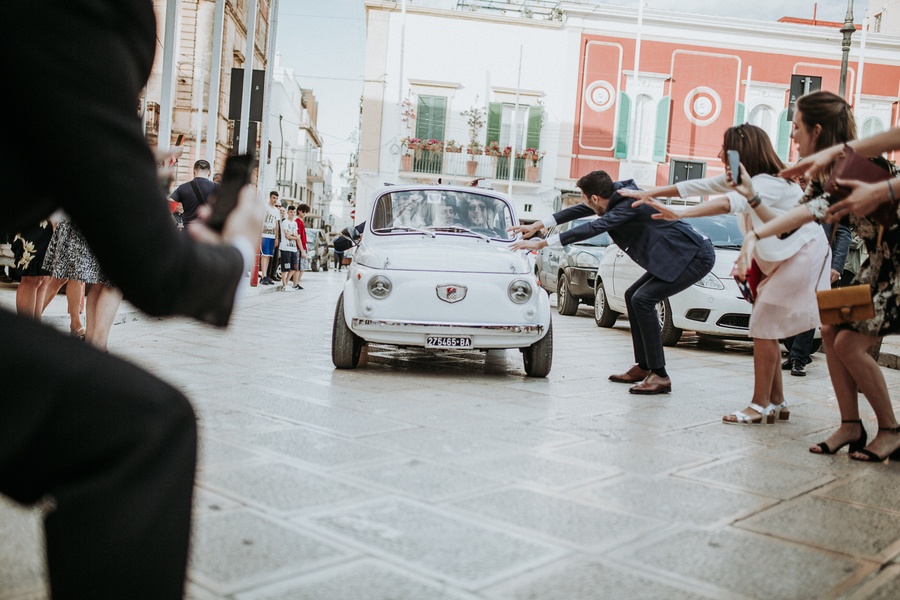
(711, 282)
(587, 260)
(379, 287)
(520, 291)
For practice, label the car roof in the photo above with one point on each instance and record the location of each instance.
(465, 189)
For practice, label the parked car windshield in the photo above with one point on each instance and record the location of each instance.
(598, 240)
(444, 211)
(722, 230)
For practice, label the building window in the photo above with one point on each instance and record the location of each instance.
(645, 127)
(764, 117)
(682, 170)
(528, 125)
(431, 117)
(871, 126)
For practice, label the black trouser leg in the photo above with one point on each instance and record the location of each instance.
(114, 448)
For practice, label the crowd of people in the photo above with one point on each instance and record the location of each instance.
(115, 447)
(779, 210)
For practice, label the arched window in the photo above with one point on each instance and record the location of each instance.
(763, 117)
(871, 126)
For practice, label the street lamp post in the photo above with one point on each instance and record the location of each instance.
(847, 31)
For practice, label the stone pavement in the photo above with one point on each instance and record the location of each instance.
(453, 476)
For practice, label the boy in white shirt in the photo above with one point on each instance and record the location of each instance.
(290, 256)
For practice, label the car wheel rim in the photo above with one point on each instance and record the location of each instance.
(661, 314)
(599, 303)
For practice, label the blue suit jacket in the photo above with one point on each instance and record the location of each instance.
(662, 248)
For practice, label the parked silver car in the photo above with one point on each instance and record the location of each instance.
(317, 250)
(570, 271)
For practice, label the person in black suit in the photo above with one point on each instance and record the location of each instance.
(109, 449)
(674, 255)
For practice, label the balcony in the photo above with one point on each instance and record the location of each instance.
(461, 165)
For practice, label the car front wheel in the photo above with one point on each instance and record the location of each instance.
(345, 345)
(566, 304)
(314, 265)
(669, 333)
(538, 357)
(604, 316)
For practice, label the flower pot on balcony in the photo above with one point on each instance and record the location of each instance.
(406, 162)
(471, 167)
(532, 173)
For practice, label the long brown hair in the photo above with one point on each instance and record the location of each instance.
(755, 147)
(833, 114)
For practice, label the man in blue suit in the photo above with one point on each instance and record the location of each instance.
(672, 253)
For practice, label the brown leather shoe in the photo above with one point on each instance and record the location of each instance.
(652, 384)
(632, 375)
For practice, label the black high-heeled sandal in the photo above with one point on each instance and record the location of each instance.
(872, 457)
(856, 445)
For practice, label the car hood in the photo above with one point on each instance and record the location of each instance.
(725, 260)
(456, 254)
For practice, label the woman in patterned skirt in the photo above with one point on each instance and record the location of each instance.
(69, 257)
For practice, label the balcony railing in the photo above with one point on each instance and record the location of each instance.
(459, 164)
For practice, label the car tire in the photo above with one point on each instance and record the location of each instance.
(314, 265)
(538, 357)
(346, 346)
(604, 316)
(325, 264)
(669, 333)
(566, 303)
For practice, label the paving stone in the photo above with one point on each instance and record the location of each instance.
(572, 522)
(433, 443)
(550, 472)
(630, 457)
(316, 448)
(22, 569)
(871, 488)
(468, 554)
(702, 443)
(346, 422)
(758, 567)
(281, 487)
(885, 585)
(213, 452)
(759, 476)
(677, 500)
(591, 580)
(235, 550)
(837, 526)
(422, 479)
(369, 580)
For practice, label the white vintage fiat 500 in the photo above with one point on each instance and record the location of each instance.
(434, 269)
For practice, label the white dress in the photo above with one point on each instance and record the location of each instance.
(786, 298)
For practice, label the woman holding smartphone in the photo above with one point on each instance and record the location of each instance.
(785, 303)
(821, 121)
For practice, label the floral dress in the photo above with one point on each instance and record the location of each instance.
(881, 270)
(29, 248)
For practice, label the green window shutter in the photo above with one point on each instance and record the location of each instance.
(623, 118)
(535, 117)
(495, 113)
(783, 144)
(431, 117)
(739, 112)
(661, 138)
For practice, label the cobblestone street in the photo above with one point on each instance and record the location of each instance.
(424, 475)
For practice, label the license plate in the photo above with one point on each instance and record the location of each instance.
(447, 342)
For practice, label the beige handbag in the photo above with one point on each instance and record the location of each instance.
(845, 304)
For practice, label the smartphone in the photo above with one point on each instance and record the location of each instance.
(180, 139)
(734, 163)
(237, 173)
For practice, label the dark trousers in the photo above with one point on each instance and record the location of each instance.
(338, 258)
(648, 291)
(113, 449)
(800, 346)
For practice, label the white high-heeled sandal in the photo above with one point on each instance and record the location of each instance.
(782, 411)
(766, 415)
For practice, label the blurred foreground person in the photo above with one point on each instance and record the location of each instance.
(110, 448)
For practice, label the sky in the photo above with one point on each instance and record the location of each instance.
(324, 42)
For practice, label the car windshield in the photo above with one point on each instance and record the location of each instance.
(722, 230)
(598, 240)
(442, 211)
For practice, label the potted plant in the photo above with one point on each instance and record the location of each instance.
(532, 157)
(475, 120)
(452, 146)
(411, 146)
(407, 115)
(493, 149)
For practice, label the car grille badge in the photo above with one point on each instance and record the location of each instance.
(451, 293)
